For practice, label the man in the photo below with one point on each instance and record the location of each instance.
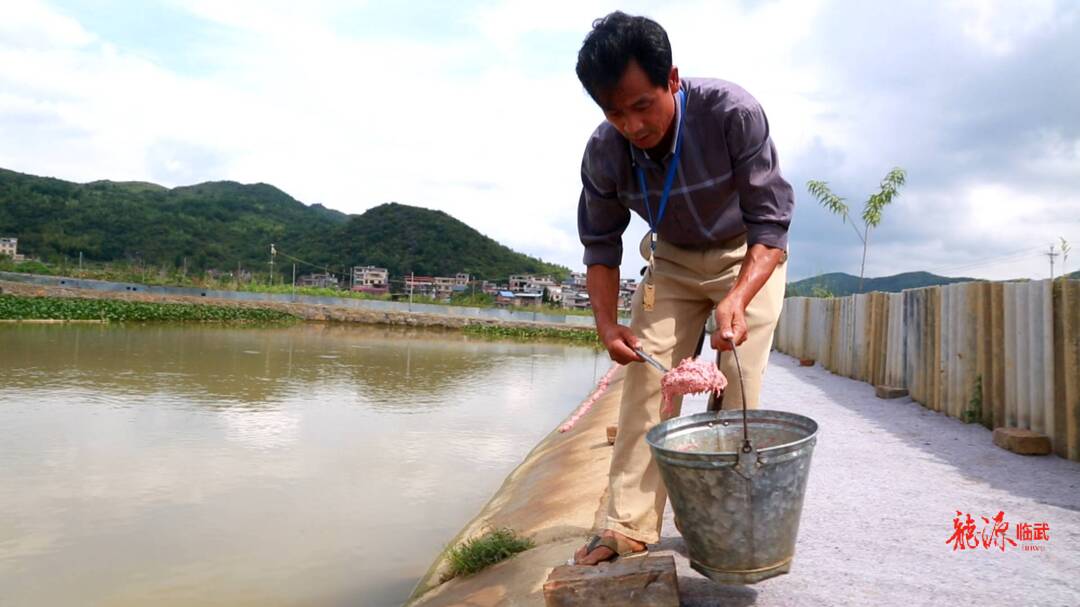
(693, 157)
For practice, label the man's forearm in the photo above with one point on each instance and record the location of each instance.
(602, 282)
(757, 267)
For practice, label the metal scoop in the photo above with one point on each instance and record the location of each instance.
(652, 361)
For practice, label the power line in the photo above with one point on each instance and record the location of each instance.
(308, 263)
(1004, 257)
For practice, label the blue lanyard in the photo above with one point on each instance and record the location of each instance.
(668, 179)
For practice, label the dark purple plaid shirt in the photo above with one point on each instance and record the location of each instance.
(727, 183)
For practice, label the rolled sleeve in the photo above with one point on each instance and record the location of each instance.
(765, 197)
(602, 219)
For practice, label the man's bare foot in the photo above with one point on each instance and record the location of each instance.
(600, 554)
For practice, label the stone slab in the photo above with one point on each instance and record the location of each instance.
(889, 392)
(641, 581)
(1024, 442)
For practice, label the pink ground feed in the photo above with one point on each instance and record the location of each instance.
(601, 387)
(690, 377)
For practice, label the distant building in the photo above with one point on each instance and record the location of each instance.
(323, 280)
(553, 294)
(489, 288)
(576, 280)
(528, 299)
(10, 248)
(444, 287)
(372, 280)
(627, 286)
(527, 283)
(574, 299)
(504, 298)
(518, 281)
(420, 286)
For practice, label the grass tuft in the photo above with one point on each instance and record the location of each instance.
(483, 551)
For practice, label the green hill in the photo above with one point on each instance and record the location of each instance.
(840, 283)
(404, 238)
(218, 225)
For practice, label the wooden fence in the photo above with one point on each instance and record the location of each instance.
(1001, 354)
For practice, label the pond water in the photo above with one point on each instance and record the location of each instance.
(307, 465)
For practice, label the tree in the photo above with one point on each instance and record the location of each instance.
(1065, 248)
(871, 215)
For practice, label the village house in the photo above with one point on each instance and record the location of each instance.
(371, 280)
(575, 300)
(420, 286)
(324, 280)
(504, 299)
(527, 283)
(9, 247)
(528, 299)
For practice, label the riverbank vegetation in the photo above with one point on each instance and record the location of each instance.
(113, 310)
(167, 276)
(484, 551)
(584, 335)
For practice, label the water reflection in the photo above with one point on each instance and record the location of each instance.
(216, 367)
(305, 465)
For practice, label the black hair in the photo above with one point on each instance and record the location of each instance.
(615, 41)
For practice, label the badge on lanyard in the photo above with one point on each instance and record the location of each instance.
(649, 294)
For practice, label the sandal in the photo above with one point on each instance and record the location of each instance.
(619, 546)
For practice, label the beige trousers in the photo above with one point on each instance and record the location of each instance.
(688, 285)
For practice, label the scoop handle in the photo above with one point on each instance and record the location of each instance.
(652, 361)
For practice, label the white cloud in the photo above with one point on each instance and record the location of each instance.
(999, 27)
(484, 128)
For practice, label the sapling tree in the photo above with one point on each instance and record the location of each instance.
(871, 215)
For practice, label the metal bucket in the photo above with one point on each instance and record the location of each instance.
(738, 510)
(737, 488)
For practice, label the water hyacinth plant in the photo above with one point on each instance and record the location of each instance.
(113, 310)
(584, 336)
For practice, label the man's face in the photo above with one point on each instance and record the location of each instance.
(642, 111)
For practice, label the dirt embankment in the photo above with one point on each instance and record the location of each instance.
(313, 312)
(551, 497)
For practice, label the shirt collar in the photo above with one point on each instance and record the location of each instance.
(642, 157)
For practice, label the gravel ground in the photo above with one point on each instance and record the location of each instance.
(887, 479)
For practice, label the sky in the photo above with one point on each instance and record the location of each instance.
(473, 108)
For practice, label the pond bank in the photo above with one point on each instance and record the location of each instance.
(861, 541)
(484, 327)
(552, 497)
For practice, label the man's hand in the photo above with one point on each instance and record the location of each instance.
(730, 324)
(757, 267)
(620, 342)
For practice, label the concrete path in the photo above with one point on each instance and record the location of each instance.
(887, 479)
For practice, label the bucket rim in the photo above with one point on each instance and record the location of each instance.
(664, 427)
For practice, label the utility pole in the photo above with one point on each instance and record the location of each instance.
(412, 276)
(273, 252)
(1051, 254)
(80, 263)
(294, 279)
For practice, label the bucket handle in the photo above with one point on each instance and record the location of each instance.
(748, 456)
